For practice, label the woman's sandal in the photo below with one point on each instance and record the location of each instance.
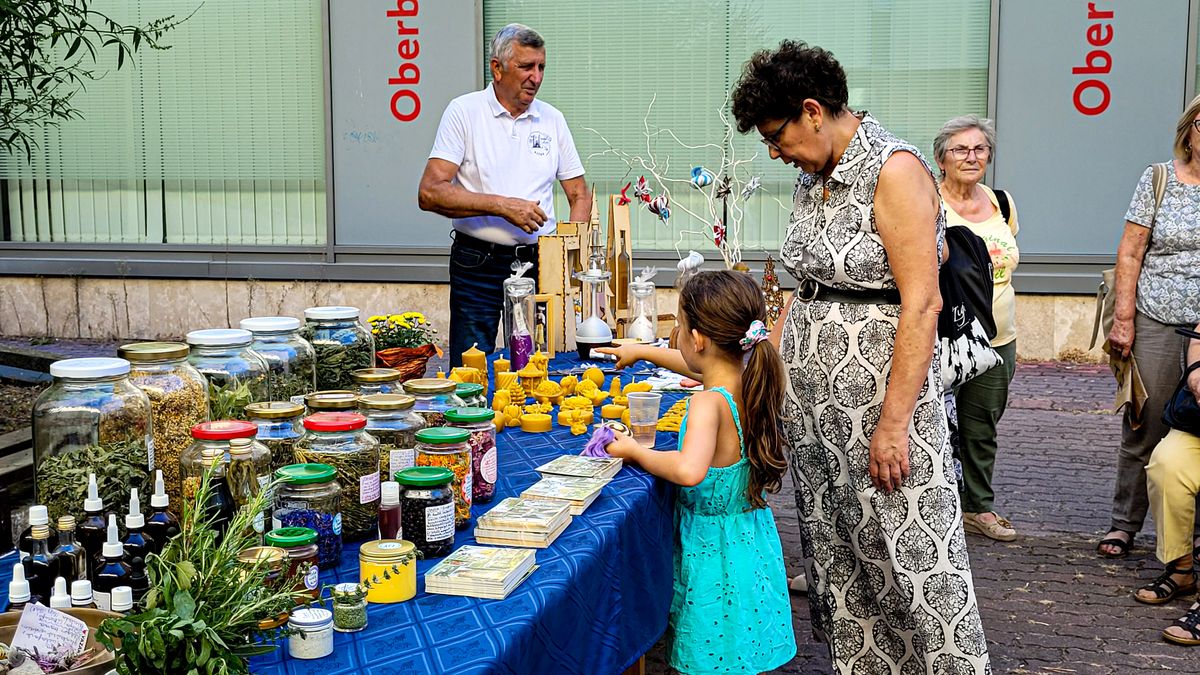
(1164, 588)
(1122, 545)
(1190, 623)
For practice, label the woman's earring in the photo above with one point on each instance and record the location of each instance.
(817, 128)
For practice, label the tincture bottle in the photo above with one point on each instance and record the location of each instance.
(81, 595)
(91, 532)
(389, 510)
(38, 515)
(59, 597)
(139, 583)
(122, 600)
(160, 524)
(41, 565)
(113, 572)
(72, 559)
(137, 543)
(18, 589)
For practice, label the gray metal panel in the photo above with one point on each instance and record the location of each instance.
(1072, 174)
(377, 158)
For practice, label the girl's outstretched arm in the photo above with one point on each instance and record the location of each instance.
(690, 465)
(671, 359)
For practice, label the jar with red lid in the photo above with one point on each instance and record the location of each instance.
(341, 441)
(213, 437)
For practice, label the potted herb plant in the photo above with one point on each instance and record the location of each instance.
(404, 342)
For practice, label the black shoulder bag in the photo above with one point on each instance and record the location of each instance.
(1182, 412)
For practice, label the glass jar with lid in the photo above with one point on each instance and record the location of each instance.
(391, 420)
(643, 311)
(91, 419)
(333, 400)
(212, 437)
(388, 570)
(471, 394)
(270, 560)
(447, 448)
(213, 455)
(377, 381)
(482, 445)
(248, 473)
(427, 509)
(178, 401)
(279, 427)
(310, 496)
(236, 375)
(299, 545)
(340, 440)
(291, 360)
(342, 343)
(434, 397)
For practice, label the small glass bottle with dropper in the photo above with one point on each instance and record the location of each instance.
(41, 565)
(72, 559)
(122, 600)
(137, 543)
(81, 595)
(18, 589)
(60, 598)
(113, 572)
(90, 533)
(38, 515)
(139, 583)
(160, 524)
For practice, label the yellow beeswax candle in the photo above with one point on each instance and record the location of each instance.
(474, 358)
(535, 422)
(504, 380)
(501, 365)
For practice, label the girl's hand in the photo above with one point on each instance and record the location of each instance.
(622, 446)
(889, 458)
(627, 355)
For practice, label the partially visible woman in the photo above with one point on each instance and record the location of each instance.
(1158, 289)
(962, 150)
(890, 580)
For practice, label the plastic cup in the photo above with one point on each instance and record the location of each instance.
(643, 416)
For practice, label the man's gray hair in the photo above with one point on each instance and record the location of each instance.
(502, 44)
(960, 124)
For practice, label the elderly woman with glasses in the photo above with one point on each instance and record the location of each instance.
(1158, 290)
(962, 149)
(880, 525)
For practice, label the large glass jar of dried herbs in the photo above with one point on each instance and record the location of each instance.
(310, 496)
(279, 427)
(335, 400)
(178, 401)
(377, 381)
(236, 375)
(343, 345)
(340, 440)
(91, 419)
(434, 397)
(390, 419)
(291, 360)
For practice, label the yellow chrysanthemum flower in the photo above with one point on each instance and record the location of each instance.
(414, 316)
(376, 318)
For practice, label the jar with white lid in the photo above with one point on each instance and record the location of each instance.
(291, 360)
(315, 638)
(342, 344)
(91, 419)
(236, 374)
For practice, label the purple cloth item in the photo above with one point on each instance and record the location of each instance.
(520, 348)
(600, 439)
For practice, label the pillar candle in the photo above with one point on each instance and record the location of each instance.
(473, 358)
(505, 380)
(501, 365)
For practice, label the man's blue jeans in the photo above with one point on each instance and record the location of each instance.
(476, 297)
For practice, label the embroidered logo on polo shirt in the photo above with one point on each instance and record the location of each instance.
(539, 143)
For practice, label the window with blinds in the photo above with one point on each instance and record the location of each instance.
(912, 63)
(218, 140)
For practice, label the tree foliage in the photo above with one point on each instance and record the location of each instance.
(49, 50)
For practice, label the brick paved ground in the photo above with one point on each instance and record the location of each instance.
(1049, 604)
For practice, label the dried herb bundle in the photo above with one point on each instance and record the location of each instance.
(62, 479)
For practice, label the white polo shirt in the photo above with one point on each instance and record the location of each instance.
(499, 155)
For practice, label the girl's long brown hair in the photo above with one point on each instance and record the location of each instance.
(721, 306)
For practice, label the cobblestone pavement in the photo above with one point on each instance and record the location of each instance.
(1050, 605)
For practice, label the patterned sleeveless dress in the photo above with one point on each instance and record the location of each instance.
(890, 582)
(730, 612)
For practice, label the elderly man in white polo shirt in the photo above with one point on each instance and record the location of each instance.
(492, 171)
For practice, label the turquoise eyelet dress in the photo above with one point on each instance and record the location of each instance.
(730, 612)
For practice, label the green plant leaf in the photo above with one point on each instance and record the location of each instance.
(185, 606)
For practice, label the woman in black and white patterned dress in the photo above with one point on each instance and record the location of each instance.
(880, 521)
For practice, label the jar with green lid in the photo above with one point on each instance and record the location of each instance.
(433, 398)
(236, 375)
(471, 394)
(291, 360)
(377, 381)
(390, 418)
(482, 446)
(427, 509)
(178, 401)
(342, 344)
(91, 419)
(340, 440)
(333, 400)
(299, 545)
(279, 427)
(310, 496)
(447, 448)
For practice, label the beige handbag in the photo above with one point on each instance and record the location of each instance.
(1106, 296)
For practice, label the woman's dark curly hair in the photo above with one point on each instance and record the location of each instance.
(775, 83)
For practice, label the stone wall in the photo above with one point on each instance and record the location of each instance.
(1049, 326)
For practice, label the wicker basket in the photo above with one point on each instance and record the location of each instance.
(410, 361)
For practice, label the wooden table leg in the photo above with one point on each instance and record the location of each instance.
(638, 668)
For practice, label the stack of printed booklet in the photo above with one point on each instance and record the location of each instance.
(481, 572)
(574, 480)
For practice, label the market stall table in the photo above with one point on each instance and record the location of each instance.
(596, 603)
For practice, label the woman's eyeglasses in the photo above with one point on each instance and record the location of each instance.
(981, 152)
(772, 140)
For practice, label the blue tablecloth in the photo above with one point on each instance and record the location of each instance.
(597, 602)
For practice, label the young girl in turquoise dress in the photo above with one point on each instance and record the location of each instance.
(730, 612)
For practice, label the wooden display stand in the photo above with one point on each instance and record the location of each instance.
(559, 257)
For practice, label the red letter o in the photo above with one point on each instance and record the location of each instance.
(416, 105)
(1105, 97)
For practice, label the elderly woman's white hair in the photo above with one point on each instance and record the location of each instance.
(514, 33)
(960, 124)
